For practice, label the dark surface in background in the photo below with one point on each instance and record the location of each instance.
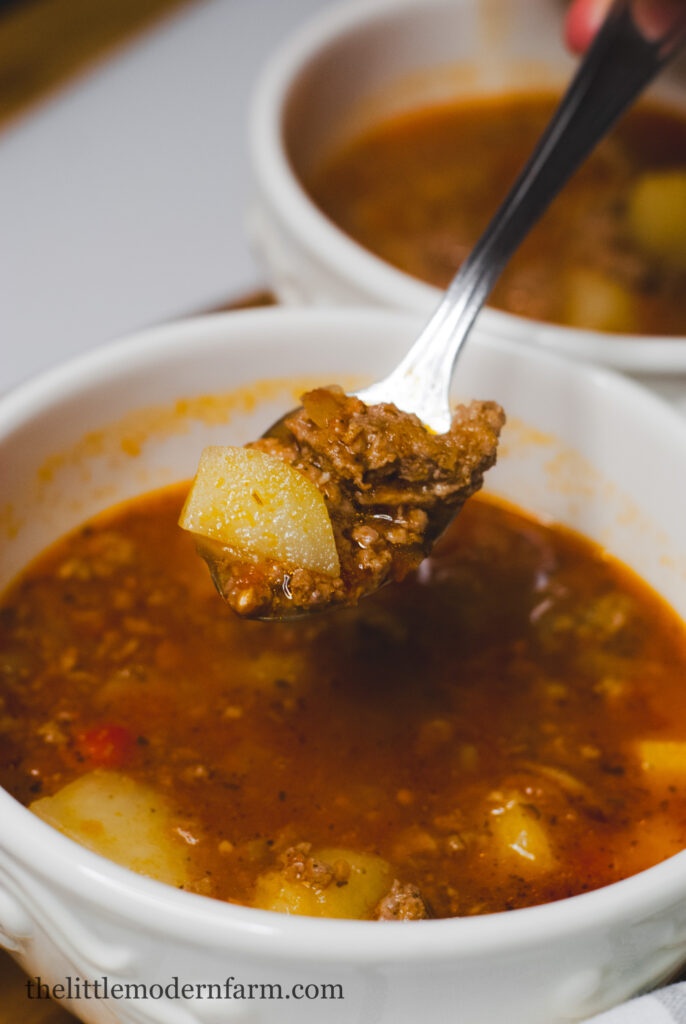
(45, 43)
(16, 1008)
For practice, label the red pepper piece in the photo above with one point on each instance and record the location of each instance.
(107, 746)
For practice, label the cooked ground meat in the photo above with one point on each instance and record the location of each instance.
(299, 866)
(391, 487)
(402, 903)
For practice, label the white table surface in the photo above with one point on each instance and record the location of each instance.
(122, 196)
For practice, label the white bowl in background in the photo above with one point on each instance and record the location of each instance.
(356, 63)
(582, 445)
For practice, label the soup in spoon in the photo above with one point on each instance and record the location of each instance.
(339, 499)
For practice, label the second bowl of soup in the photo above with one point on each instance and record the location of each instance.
(385, 137)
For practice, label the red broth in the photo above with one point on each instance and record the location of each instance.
(504, 728)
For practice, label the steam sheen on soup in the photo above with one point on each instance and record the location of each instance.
(503, 728)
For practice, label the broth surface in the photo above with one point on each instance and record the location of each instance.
(504, 728)
(419, 190)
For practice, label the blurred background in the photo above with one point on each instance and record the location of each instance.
(123, 165)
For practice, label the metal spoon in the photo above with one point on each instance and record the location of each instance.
(619, 64)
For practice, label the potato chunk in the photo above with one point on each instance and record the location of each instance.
(359, 881)
(595, 302)
(121, 819)
(657, 215)
(521, 838)
(260, 507)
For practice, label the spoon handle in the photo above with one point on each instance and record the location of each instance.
(626, 54)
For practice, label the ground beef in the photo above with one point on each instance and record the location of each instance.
(299, 866)
(391, 487)
(402, 903)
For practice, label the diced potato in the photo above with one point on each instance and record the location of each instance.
(663, 760)
(258, 505)
(369, 880)
(657, 215)
(523, 843)
(121, 819)
(597, 303)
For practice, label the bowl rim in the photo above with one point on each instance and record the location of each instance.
(290, 202)
(124, 895)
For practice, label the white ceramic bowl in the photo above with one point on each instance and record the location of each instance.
(358, 62)
(582, 445)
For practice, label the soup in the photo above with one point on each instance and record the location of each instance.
(609, 254)
(503, 728)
